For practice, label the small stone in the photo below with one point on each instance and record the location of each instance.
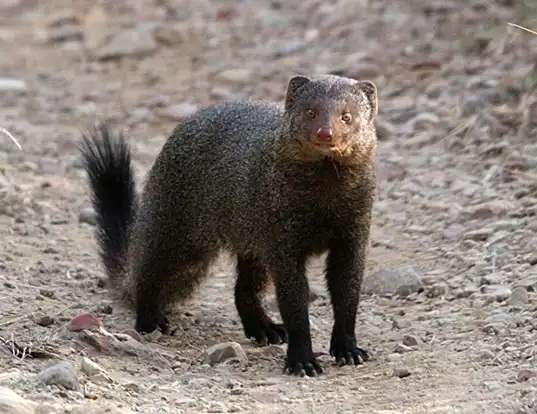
(216, 407)
(235, 75)
(425, 120)
(402, 281)
(12, 85)
(45, 321)
(401, 372)
(172, 35)
(401, 348)
(466, 292)
(221, 352)
(91, 368)
(106, 309)
(437, 290)
(525, 375)
(498, 293)
(532, 260)
(87, 215)
(179, 111)
(84, 321)
(393, 357)
(134, 335)
(137, 42)
(65, 33)
(62, 374)
(12, 403)
(490, 209)
(47, 293)
(478, 235)
(519, 297)
(409, 340)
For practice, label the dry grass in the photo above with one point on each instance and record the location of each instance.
(10, 136)
(523, 28)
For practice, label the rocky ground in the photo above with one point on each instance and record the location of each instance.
(450, 307)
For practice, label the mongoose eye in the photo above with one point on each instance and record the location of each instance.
(346, 117)
(310, 113)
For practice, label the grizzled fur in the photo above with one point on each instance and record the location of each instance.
(255, 179)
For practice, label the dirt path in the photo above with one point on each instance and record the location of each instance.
(457, 198)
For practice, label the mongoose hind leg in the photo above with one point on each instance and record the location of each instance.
(162, 281)
(252, 278)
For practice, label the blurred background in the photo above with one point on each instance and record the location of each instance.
(457, 178)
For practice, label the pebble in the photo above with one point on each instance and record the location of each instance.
(12, 85)
(91, 368)
(402, 281)
(179, 111)
(496, 293)
(525, 375)
(479, 235)
(221, 352)
(532, 260)
(65, 33)
(519, 297)
(87, 215)
(172, 35)
(401, 372)
(401, 348)
(490, 209)
(242, 75)
(136, 42)
(437, 290)
(45, 321)
(410, 340)
(47, 293)
(62, 374)
(12, 403)
(425, 120)
(84, 321)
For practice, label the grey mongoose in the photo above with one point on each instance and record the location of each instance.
(273, 185)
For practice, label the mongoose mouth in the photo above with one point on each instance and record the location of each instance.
(329, 148)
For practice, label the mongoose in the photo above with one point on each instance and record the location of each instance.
(273, 185)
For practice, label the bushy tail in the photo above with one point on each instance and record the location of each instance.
(107, 161)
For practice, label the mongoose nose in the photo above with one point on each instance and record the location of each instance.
(324, 134)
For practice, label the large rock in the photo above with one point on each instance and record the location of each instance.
(12, 403)
(401, 281)
(221, 352)
(62, 374)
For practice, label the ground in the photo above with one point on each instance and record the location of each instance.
(457, 196)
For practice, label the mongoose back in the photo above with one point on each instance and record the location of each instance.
(272, 184)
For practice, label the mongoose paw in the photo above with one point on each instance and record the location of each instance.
(344, 349)
(268, 333)
(147, 323)
(308, 366)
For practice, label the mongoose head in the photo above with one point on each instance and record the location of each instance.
(330, 116)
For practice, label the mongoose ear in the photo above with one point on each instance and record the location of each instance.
(370, 91)
(295, 84)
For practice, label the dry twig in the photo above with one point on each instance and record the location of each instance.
(10, 136)
(522, 28)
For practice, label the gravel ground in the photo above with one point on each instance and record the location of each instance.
(449, 313)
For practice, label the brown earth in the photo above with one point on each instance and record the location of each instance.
(457, 197)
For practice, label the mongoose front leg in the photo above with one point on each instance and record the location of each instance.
(292, 293)
(345, 266)
(252, 279)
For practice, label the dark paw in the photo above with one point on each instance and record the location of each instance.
(305, 366)
(148, 322)
(268, 333)
(344, 349)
